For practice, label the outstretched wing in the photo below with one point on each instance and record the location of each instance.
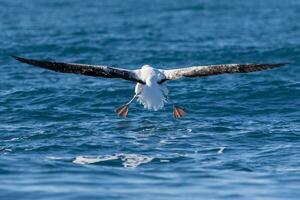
(84, 69)
(199, 71)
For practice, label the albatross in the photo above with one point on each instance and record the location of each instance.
(150, 89)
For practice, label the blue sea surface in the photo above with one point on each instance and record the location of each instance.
(61, 139)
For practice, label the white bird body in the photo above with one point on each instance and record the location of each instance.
(151, 94)
(150, 89)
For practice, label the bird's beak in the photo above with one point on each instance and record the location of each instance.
(123, 110)
(178, 112)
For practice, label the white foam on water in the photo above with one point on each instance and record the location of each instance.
(134, 160)
(91, 160)
(7, 150)
(111, 89)
(164, 142)
(55, 158)
(14, 139)
(128, 160)
(221, 150)
(189, 130)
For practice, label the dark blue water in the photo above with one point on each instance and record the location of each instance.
(60, 137)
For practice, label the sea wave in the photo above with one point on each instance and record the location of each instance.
(127, 160)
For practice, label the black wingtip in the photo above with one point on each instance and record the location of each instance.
(283, 63)
(15, 57)
(19, 58)
(27, 60)
(277, 64)
(273, 65)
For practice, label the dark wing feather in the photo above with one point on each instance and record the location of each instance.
(199, 71)
(84, 69)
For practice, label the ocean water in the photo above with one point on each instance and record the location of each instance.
(61, 139)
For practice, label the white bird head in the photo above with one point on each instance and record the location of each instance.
(148, 74)
(146, 66)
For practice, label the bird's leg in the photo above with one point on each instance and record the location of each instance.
(123, 110)
(177, 111)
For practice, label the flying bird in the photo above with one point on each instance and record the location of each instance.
(150, 89)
